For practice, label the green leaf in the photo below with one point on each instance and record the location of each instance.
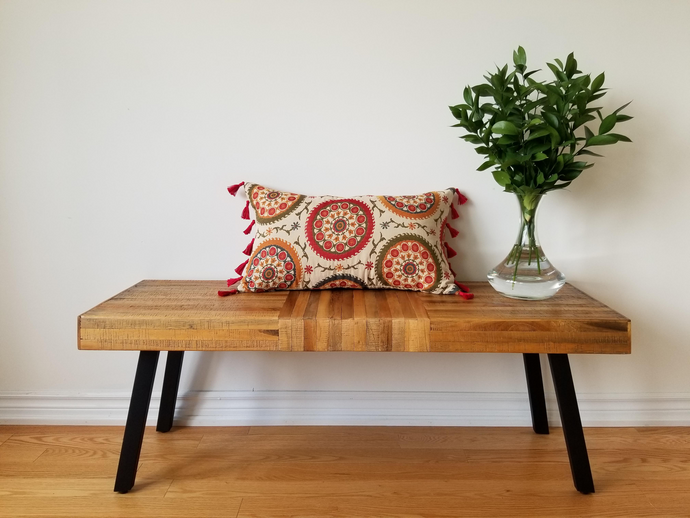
(472, 139)
(588, 152)
(502, 178)
(601, 140)
(560, 63)
(467, 95)
(559, 163)
(559, 186)
(623, 118)
(482, 150)
(519, 57)
(523, 55)
(551, 119)
(556, 72)
(456, 111)
(538, 157)
(620, 138)
(578, 166)
(538, 133)
(505, 128)
(483, 90)
(555, 139)
(540, 178)
(598, 82)
(588, 133)
(552, 178)
(537, 148)
(607, 124)
(570, 65)
(622, 107)
(507, 140)
(486, 165)
(570, 175)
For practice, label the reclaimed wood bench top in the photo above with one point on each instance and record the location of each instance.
(188, 315)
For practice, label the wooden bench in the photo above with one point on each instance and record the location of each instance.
(178, 316)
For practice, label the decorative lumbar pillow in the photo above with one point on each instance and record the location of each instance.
(323, 242)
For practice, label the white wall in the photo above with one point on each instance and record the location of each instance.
(121, 124)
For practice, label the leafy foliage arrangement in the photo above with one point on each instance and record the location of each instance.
(534, 134)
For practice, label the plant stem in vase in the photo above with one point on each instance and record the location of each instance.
(526, 273)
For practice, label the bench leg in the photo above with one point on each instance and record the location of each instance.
(136, 421)
(572, 425)
(535, 389)
(171, 382)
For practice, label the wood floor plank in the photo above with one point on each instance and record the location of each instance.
(343, 471)
(76, 487)
(277, 442)
(114, 505)
(20, 453)
(210, 488)
(464, 504)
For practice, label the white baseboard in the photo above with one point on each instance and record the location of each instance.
(243, 408)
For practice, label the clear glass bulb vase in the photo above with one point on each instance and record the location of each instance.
(526, 273)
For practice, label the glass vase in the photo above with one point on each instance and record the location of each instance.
(526, 273)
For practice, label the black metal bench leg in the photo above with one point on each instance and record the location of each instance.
(535, 389)
(572, 425)
(171, 382)
(136, 421)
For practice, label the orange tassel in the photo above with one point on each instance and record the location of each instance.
(450, 251)
(453, 212)
(234, 188)
(245, 212)
(248, 250)
(453, 232)
(249, 228)
(240, 268)
(225, 293)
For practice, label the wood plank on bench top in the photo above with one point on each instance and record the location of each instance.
(188, 315)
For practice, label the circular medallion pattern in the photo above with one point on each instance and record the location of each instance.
(338, 229)
(340, 281)
(274, 265)
(409, 262)
(270, 206)
(412, 207)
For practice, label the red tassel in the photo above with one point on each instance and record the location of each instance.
(450, 251)
(245, 212)
(240, 268)
(233, 281)
(248, 250)
(453, 232)
(453, 213)
(464, 291)
(225, 293)
(234, 188)
(462, 199)
(462, 287)
(249, 228)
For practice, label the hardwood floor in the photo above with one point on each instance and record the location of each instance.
(322, 472)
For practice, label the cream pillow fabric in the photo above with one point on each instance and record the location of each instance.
(322, 242)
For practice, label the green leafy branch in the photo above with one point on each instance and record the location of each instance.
(534, 134)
